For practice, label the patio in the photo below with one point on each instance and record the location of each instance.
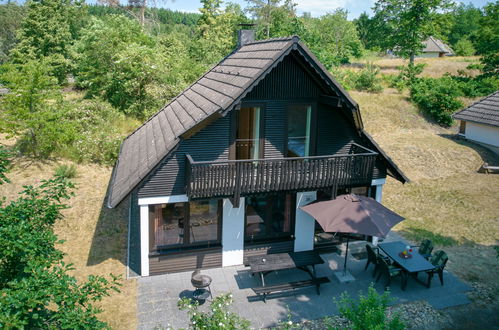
(158, 295)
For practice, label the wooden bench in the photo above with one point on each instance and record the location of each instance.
(265, 290)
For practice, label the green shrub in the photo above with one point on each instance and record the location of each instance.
(218, 316)
(437, 98)
(369, 312)
(407, 75)
(368, 79)
(464, 47)
(67, 171)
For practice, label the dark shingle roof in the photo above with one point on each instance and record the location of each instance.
(217, 91)
(485, 111)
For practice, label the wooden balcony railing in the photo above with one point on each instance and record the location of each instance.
(235, 178)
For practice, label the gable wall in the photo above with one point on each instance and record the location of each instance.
(286, 84)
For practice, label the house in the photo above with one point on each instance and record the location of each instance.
(434, 47)
(220, 172)
(480, 122)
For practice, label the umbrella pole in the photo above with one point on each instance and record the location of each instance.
(346, 256)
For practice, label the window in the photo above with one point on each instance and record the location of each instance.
(269, 217)
(181, 225)
(462, 127)
(299, 123)
(248, 133)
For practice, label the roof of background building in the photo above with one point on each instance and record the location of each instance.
(436, 45)
(485, 111)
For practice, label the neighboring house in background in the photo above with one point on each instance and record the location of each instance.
(480, 122)
(221, 171)
(434, 47)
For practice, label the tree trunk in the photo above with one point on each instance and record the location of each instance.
(411, 59)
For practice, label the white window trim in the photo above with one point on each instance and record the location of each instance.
(164, 200)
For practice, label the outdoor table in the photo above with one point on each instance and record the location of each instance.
(413, 265)
(272, 262)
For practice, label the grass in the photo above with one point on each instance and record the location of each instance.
(435, 67)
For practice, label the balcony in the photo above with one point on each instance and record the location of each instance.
(235, 178)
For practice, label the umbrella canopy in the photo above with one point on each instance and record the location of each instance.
(353, 214)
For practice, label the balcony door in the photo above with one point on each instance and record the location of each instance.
(248, 133)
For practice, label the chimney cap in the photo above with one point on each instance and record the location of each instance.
(246, 24)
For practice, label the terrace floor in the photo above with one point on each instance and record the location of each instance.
(158, 295)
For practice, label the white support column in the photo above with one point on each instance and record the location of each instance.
(305, 224)
(232, 233)
(379, 193)
(144, 240)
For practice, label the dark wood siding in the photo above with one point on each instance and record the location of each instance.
(185, 261)
(211, 143)
(335, 134)
(267, 248)
(275, 129)
(287, 80)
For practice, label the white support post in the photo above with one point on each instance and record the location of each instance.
(144, 240)
(304, 224)
(379, 194)
(233, 233)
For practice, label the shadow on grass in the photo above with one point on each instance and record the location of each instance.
(418, 234)
(487, 155)
(111, 234)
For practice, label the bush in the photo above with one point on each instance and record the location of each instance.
(369, 312)
(464, 47)
(368, 79)
(217, 317)
(407, 75)
(67, 171)
(437, 98)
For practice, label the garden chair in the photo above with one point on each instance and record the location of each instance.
(425, 248)
(439, 260)
(372, 257)
(388, 271)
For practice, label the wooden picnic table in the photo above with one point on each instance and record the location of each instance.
(266, 264)
(413, 265)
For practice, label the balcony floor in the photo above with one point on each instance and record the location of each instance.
(158, 295)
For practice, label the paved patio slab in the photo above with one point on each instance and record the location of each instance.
(158, 295)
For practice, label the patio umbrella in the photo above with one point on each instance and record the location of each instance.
(353, 214)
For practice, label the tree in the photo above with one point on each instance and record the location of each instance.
(488, 40)
(217, 30)
(274, 17)
(11, 16)
(34, 100)
(409, 22)
(118, 61)
(36, 290)
(48, 32)
(465, 23)
(332, 38)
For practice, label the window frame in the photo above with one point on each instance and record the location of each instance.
(313, 125)
(186, 244)
(235, 123)
(268, 224)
